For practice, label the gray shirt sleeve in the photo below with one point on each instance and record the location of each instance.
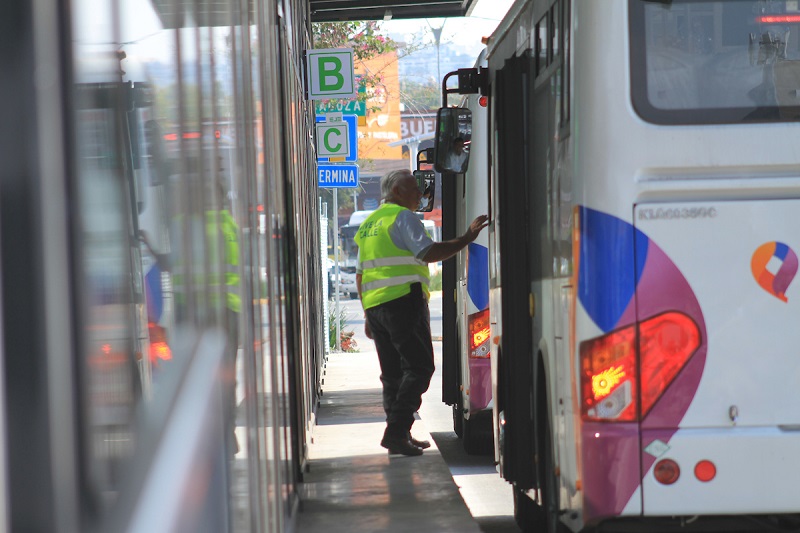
(408, 233)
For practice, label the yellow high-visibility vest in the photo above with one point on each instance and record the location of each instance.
(227, 227)
(218, 224)
(387, 271)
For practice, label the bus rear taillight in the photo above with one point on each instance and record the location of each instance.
(705, 470)
(666, 342)
(608, 376)
(479, 335)
(610, 369)
(667, 471)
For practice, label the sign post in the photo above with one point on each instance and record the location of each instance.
(337, 274)
(336, 140)
(331, 75)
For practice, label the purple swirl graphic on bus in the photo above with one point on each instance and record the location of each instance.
(776, 282)
(624, 279)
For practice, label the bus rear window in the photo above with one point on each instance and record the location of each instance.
(717, 62)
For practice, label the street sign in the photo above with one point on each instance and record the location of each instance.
(350, 107)
(337, 175)
(352, 140)
(330, 73)
(333, 139)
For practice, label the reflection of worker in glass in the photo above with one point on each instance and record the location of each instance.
(222, 235)
(457, 156)
(427, 196)
(206, 281)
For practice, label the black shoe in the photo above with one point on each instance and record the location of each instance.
(400, 446)
(424, 444)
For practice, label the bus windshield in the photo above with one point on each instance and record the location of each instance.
(349, 247)
(715, 62)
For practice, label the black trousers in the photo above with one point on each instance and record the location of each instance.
(401, 330)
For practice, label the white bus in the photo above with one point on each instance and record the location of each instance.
(644, 193)
(466, 365)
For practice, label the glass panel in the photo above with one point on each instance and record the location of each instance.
(542, 44)
(722, 61)
(555, 25)
(160, 149)
(113, 337)
(188, 221)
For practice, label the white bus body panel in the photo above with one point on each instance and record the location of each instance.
(753, 360)
(739, 259)
(472, 262)
(757, 473)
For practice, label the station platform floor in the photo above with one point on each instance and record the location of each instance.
(354, 486)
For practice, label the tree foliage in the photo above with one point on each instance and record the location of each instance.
(419, 97)
(363, 37)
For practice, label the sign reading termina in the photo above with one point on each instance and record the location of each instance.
(330, 74)
(337, 176)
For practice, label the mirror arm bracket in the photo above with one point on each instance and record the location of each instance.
(470, 81)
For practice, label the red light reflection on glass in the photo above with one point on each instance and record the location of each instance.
(778, 19)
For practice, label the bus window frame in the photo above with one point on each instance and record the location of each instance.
(683, 117)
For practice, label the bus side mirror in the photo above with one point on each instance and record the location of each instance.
(426, 181)
(425, 157)
(452, 142)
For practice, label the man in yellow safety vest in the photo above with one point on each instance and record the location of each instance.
(392, 280)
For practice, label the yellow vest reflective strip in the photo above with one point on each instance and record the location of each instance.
(391, 261)
(395, 280)
(387, 271)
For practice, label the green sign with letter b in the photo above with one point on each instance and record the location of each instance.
(330, 74)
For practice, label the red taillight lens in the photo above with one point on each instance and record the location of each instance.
(608, 376)
(479, 334)
(705, 470)
(610, 371)
(667, 471)
(666, 342)
(159, 349)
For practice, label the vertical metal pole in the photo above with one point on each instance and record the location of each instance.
(437, 35)
(337, 313)
(413, 149)
(323, 238)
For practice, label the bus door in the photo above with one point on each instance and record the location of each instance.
(515, 361)
(451, 373)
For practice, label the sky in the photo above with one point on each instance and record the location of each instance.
(463, 31)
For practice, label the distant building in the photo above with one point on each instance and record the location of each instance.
(420, 65)
(382, 124)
